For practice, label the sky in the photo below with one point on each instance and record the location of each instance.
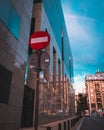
(85, 27)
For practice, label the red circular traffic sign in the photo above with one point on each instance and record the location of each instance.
(39, 40)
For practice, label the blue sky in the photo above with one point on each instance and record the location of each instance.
(85, 26)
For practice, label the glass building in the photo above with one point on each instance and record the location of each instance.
(54, 14)
(18, 20)
(15, 21)
(55, 86)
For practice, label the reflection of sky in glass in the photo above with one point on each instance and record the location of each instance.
(57, 22)
(9, 17)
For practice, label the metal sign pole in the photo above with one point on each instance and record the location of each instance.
(38, 41)
(37, 94)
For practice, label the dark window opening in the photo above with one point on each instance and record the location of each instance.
(46, 30)
(98, 99)
(5, 84)
(93, 105)
(32, 26)
(37, 1)
(28, 107)
(29, 50)
(31, 32)
(99, 105)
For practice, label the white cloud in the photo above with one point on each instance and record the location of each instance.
(79, 84)
(80, 17)
(79, 28)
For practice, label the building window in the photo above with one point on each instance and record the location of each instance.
(93, 105)
(98, 99)
(9, 17)
(97, 87)
(99, 105)
(28, 106)
(98, 95)
(5, 84)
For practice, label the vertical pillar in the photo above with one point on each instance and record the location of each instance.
(37, 94)
(62, 36)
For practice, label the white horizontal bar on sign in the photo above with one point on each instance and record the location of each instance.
(39, 40)
(46, 60)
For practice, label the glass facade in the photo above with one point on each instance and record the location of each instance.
(9, 17)
(55, 16)
(15, 21)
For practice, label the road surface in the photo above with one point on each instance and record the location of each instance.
(93, 123)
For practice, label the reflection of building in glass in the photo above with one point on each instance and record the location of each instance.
(56, 83)
(95, 91)
(55, 98)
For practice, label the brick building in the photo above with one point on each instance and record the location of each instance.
(95, 90)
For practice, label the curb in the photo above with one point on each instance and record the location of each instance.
(79, 126)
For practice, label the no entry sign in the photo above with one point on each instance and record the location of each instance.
(39, 40)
